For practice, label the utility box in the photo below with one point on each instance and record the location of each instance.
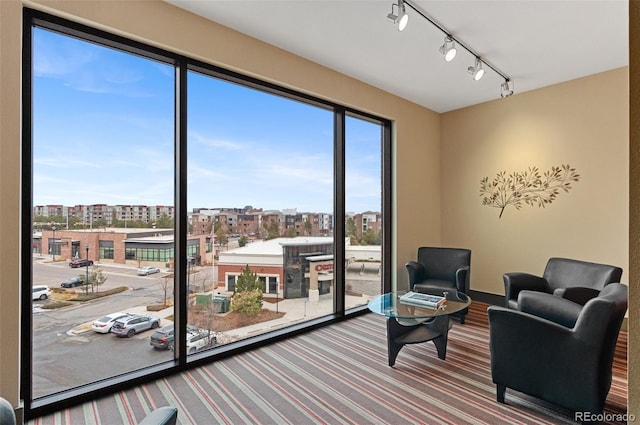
(221, 303)
(203, 299)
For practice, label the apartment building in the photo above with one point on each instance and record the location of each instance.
(108, 214)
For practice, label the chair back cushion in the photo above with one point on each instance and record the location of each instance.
(442, 263)
(568, 273)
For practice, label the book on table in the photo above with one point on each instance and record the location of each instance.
(422, 300)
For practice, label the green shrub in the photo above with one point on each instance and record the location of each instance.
(247, 302)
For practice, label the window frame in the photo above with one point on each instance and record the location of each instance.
(182, 65)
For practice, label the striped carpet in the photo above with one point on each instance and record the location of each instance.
(339, 375)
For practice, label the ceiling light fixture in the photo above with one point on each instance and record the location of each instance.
(399, 18)
(506, 88)
(448, 49)
(476, 71)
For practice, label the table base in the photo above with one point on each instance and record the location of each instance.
(436, 330)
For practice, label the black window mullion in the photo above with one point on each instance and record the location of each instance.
(387, 174)
(339, 206)
(26, 356)
(180, 238)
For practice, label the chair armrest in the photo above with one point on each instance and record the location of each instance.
(578, 295)
(550, 307)
(516, 282)
(417, 273)
(462, 279)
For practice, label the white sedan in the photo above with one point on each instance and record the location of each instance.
(147, 270)
(103, 325)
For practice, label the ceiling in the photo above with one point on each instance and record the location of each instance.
(535, 43)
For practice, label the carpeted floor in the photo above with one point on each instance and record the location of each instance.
(339, 375)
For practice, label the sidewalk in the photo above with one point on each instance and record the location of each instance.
(296, 311)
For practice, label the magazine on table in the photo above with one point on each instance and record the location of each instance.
(422, 300)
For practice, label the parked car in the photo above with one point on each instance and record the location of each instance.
(80, 262)
(130, 325)
(199, 341)
(163, 338)
(41, 292)
(103, 325)
(73, 282)
(143, 271)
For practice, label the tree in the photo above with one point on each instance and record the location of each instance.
(96, 277)
(273, 230)
(99, 222)
(370, 238)
(201, 280)
(247, 298)
(247, 281)
(165, 283)
(307, 227)
(243, 241)
(221, 236)
(350, 229)
(164, 222)
(291, 232)
(247, 302)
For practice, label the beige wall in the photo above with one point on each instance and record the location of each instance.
(10, 36)
(583, 123)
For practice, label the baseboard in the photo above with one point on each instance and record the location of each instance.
(487, 298)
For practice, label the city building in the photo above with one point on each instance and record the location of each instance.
(301, 267)
(137, 247)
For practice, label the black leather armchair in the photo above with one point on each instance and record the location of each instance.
(441, 269)
(165, 415)
(7, 416)
(575, 280)
(557, 350)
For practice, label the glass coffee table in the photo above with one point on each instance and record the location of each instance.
(412, 324)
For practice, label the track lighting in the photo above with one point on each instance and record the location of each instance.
(451, 44)
(476, 71)
(506, 88)
(448, 49)
(399, 18)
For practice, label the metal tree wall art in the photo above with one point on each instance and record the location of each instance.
(528, 187)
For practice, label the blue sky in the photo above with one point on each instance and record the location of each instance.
(104, 133)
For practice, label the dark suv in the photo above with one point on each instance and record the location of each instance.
(163, 338)
(80, 262)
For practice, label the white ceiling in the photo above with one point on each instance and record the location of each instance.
(535, 43)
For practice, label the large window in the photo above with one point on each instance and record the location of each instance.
(103, 136)
(164, 187)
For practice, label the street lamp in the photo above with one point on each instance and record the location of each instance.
(53, 247)
(86, 282)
